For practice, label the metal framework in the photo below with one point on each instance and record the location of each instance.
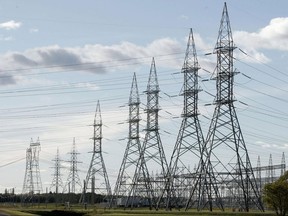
(73, 179)
(273, 171)
(32, 180)
(283, 161)
(97, 179)
(270, 173)
(57, 180)
(188, 150)
(152, 158)
(227, 150)
(28, 186)
(132, 153)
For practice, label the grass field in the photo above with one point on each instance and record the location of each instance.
(92, 211)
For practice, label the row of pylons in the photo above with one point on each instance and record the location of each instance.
(32, 184)
(223, 176)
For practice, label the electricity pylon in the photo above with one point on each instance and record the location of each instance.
(227, 150)
(73, 178)
(258, 174)
(152, 156)
(283, 163)
(28, 186)
(32, 182)
(97, 179)
(57, 180)
(132, 153)
(270, 173)
(189, 147)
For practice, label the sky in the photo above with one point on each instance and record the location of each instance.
(58, 58)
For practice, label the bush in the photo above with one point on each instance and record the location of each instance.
(275, 195)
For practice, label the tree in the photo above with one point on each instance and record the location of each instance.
(276, 195)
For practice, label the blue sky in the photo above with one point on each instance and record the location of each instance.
(58, 58)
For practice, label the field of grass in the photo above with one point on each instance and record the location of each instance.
(93, 211)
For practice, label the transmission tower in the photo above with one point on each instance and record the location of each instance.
(188, 150)
(132, 153)
(32, 180)
(258, 174)
(225, 143)
(270, 173)
(73, 178)
(28, 186)
(152, 157)
(283, 163)
(57, 180)
(97, 178)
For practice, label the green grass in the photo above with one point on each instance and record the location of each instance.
(78, 210)
(14, 212)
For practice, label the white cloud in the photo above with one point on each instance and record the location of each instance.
(86, 85)
(34, 30)
(277, 29)
(93, 58)
(4, 38)
(272, 146)
(271, 37)
(10, 25)
(184, 17)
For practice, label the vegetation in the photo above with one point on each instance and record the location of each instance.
(78, 210)
(275, 195)
(47, 198)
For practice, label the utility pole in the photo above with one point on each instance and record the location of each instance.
(189, 148)
(73, 178)
(35, 149)
(32, 180)
(28, 186)
(152, 156)
(258, 174)
(132, 153)
(97, 166)
(226, 147)
(283, 164)
(270, 173)
(57, 181)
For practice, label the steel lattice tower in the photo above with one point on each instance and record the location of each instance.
(270, 173)
(73, 178)
(283, 170)
(57, 180)
(28, 186)
(152, 157)
(227, 150)
(132, 153)
(97, 178)
(32, 180)
(188, 150)
(258, 174)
